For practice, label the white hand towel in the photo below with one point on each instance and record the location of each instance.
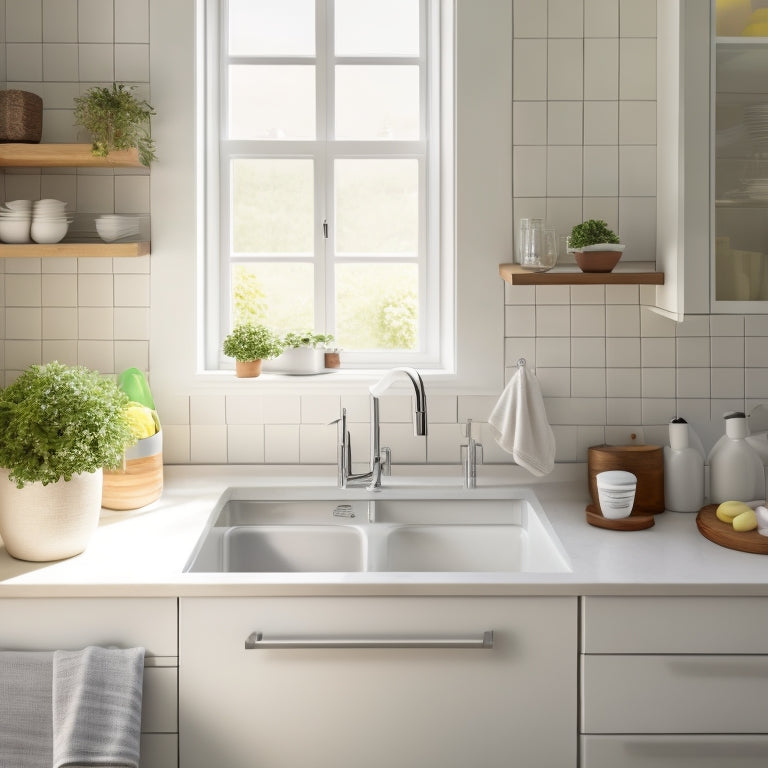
(519, 424)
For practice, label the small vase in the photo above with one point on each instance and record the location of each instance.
(49, 522)
(247, 369)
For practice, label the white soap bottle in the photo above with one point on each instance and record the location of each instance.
(736, 471)
(683, 471)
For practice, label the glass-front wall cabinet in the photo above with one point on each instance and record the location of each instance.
(740, 153)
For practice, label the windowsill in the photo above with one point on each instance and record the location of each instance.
(341, 381)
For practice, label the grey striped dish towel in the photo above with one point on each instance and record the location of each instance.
(71, 709)
(97, 707)
(26, 735)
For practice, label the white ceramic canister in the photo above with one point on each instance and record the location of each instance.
(683, 471)
(736, 471)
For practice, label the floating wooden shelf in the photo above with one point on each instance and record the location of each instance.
(72, 250)
(64, 156)
(624, 274)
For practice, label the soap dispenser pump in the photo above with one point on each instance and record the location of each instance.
(683, 471)
(735, 469)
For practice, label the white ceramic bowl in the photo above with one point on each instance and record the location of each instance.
(14, 230)
(48, 231)
(616, 493)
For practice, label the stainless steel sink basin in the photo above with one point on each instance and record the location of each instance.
(322, 530)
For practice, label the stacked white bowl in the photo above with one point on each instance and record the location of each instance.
(44, 221)
(616, 492)
(49, 221)
(113, 226)
(15, 221)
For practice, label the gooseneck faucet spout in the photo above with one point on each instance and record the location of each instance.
(380, 462)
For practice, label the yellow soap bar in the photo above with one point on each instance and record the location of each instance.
(746, 521)
(728, 510)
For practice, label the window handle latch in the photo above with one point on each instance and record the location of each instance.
(325, 228)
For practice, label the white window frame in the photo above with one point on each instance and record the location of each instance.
(436, 342)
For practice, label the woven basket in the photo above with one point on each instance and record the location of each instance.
(21, 117)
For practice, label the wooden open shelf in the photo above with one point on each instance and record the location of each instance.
(64, 156)
(72, 250)
(637, 273)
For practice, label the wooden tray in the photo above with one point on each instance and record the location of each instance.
(632, 523)
(723, 534)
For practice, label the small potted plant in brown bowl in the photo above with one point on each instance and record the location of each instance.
(595, 247)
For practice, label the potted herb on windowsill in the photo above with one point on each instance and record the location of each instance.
(59, 427)
(303, 353)
(595, 247)
(116, 119)
(250, 344)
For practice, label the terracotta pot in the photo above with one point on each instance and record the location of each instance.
(597, 261)
(49, 522)
(247, 369)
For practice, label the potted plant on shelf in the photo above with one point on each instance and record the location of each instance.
(595, 247)
(249, 344)
(303, 353)
(59, 426)
(116, 119)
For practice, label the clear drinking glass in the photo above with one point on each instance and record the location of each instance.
(540, 250)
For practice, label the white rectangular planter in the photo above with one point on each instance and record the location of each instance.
(298, 361)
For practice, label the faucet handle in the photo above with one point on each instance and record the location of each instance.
(386, 462)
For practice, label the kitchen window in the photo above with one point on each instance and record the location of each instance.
(326, 175)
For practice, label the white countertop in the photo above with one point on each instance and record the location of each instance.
(143, 553)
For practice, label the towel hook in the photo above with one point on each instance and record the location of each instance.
(521, 362)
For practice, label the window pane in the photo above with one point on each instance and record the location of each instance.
(377, 207)
(377, 306)
(271, 27)
(272, 207)
(377, 27)
(279, 295)
(377, 102)
(271, 102)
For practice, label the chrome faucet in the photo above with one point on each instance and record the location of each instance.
(469, 451)
(380, 457)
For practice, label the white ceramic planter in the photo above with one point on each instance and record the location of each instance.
(49, 522)
(298, 361)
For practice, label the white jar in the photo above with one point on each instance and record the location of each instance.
(683, 471)
(736, 471)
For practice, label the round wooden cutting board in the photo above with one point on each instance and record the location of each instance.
(724, 535)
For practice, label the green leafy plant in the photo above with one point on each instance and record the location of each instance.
(116, 119)
(57, 421)
(591, 232)
(293, 340)
(249, 341)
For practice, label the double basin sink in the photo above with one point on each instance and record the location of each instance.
(323, 529)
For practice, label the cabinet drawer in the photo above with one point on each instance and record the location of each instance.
(674, 751)
(47, 624)
(675, 625)
(674, 694)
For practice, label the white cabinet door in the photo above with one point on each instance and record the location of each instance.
(377, 707)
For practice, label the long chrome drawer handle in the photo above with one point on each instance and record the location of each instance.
(484, 640)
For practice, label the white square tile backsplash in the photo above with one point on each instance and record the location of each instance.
(584, 134)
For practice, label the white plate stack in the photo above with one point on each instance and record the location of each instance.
(756, 123)
(756, 189)
(15, 220)
(114, 226)
(49, 221)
